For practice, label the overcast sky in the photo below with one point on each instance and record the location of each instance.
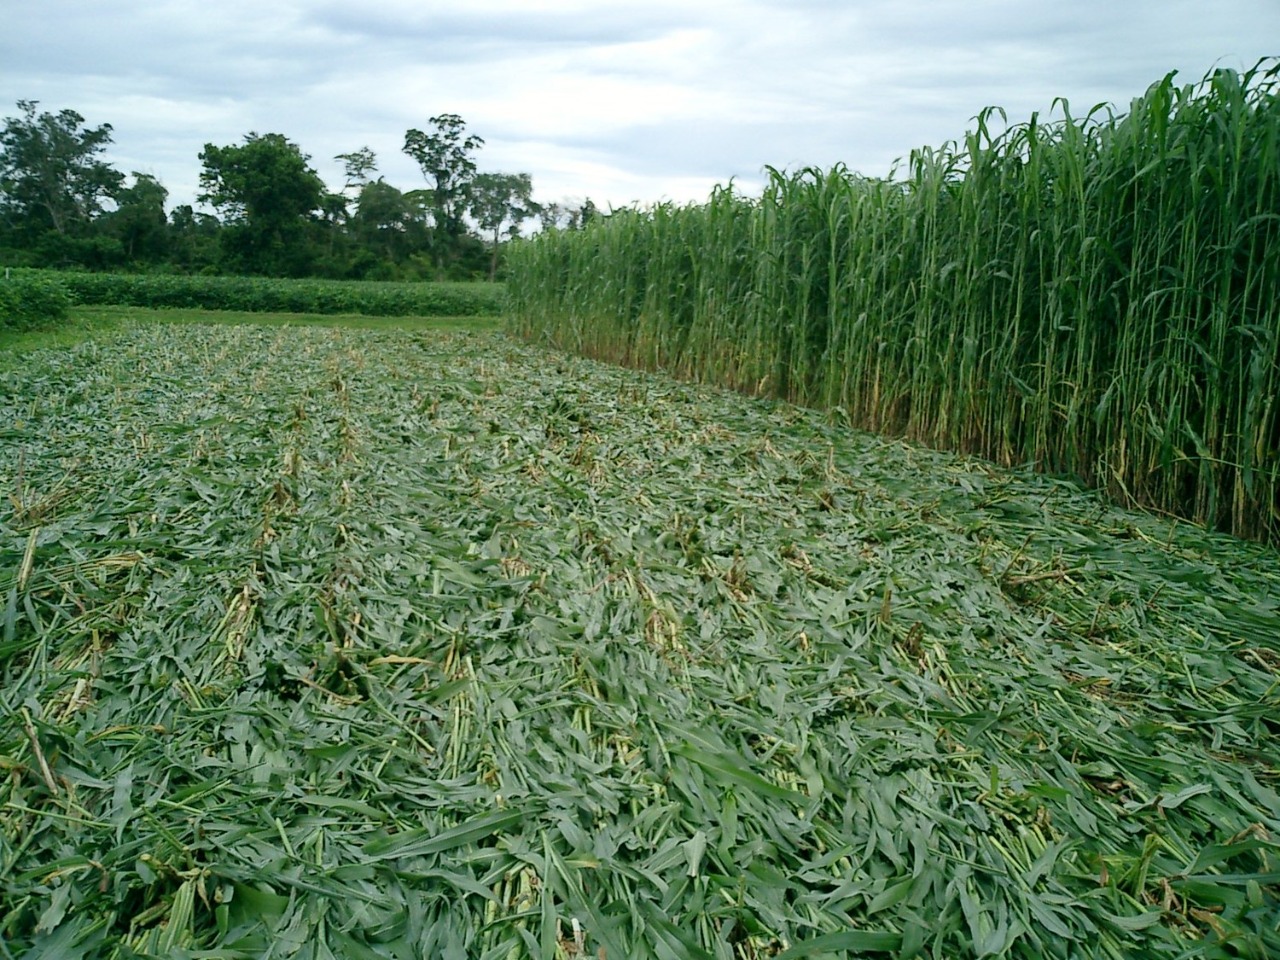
(618, 101)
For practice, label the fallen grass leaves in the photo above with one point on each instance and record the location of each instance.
(396, 645)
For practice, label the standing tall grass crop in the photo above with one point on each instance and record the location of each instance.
(1098, 295)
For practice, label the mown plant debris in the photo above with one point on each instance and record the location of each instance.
(325, 643)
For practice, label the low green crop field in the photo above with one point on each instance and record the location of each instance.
(261, 294)
(321, 642)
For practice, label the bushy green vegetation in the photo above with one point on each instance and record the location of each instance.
(31, 302)
(1097, 295)
(63, 206)
(363, 644)
(280, 295)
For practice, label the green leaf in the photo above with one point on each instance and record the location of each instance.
(849, 941)
(424, 842)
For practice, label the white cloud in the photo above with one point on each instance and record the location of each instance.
(620, 102)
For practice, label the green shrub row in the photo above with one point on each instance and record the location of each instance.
(261, 295)
(31, 302)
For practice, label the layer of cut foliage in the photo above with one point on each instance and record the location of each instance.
(387, 645)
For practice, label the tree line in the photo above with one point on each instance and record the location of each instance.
(63, 205)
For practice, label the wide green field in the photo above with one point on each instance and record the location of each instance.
(325, 642)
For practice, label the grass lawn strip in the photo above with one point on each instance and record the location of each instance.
(424, 644)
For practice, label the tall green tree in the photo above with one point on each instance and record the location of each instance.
(52, 177)
(445, 156)
(384, 226)
(268, 195)
(358, 166)
(583, 214)
(139, 220)
(193, 238)
(501, 200)
(568, 215)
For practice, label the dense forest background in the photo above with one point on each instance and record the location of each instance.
(63, 206)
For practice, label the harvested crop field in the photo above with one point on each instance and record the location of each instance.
(321, 643)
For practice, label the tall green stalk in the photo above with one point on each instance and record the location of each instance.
(1096, 295)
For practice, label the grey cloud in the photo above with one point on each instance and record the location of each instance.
(742, 83)
(462, 31)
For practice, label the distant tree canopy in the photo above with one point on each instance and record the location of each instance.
(138, 221)
(445, 157)
(53, 185)
(63, 204)
(501, 199)
(267, 194)
(359, 165)
(50, 173)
